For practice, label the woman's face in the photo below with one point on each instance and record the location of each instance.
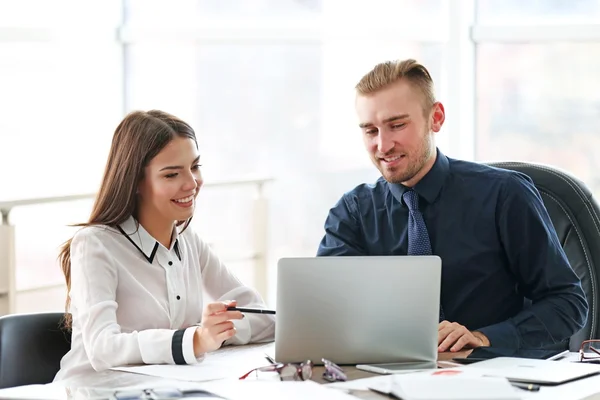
(171, 182)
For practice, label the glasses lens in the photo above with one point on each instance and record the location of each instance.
(306, 372)
(288, 373)
(591, 349)
(333, 372)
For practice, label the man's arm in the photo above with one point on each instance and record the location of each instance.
(542, 270)
(343, 235)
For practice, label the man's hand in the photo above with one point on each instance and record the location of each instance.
(216, 327)
(455, 337)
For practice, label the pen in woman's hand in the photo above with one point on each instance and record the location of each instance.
(251, 310)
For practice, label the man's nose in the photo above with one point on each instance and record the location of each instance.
(384, 143)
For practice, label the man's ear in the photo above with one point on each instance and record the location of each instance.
(438, 116)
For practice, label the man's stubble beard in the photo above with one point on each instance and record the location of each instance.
(425, 152)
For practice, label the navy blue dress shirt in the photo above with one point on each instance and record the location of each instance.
(504, 272)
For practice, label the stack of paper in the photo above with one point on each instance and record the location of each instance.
(447, 384)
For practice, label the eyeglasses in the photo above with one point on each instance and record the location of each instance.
(161, 393)
(333, 372)
(589, 351)
(287, 372)
(301, 372)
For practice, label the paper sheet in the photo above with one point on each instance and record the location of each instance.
(241, 390)
(230, 362)
(362, 384)
(452, 384)
(35, 392)
(231, 390)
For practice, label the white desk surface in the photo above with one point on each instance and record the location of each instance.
(104, 383)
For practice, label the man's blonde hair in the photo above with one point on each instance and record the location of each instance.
(390, 72)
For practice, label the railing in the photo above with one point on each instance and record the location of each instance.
(8, 290)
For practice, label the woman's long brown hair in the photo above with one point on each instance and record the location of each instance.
(137, 140)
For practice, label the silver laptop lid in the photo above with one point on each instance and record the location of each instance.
(354, 310)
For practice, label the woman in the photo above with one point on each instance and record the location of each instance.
(136, 273)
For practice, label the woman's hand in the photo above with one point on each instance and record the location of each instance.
(216, 327)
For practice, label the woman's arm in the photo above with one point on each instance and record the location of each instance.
(221, 284)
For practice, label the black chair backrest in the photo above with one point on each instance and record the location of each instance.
(576, 218)
(31, 347)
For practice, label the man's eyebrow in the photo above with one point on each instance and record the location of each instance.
(385, 121)
(395, 118)
(170, 167)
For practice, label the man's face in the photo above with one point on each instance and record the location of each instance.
(398, 132)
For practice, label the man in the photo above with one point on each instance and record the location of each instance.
(506, 281)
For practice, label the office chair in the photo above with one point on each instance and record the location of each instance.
(31, 347)
(576, 218)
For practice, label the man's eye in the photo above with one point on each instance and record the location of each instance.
(397, 126)
(196, 167)
(371, 131)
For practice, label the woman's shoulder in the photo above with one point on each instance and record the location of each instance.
(92, 232)
(194, 241)
(190, 236)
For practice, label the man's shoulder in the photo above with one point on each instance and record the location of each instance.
(367, 191)
(481, 173)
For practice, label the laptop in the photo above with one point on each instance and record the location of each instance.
(358, 310)
(542, 372)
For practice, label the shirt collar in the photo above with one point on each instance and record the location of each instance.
(143, 241)
(430, 185)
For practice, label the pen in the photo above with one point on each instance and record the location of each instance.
(526, 386)
(251, 310)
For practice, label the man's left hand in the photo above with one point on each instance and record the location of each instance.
(455, 337)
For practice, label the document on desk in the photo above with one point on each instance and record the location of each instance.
(229, 362)
(229, 390)
(35, 392)
(242, 390)
(447, 385)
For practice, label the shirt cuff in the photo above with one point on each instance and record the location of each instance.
(187, 345)
(503, 334)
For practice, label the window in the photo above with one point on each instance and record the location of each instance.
(61, 97)
(269, 87)
(531, 11)
(540, 103)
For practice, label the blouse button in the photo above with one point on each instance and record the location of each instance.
(178, 298)
(170, 262)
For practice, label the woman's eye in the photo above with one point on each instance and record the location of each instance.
(196, 167)
(173, 175)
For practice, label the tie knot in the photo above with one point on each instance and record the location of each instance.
(411, 198)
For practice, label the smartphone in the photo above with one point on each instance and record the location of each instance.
(397, 368)
(486, 353)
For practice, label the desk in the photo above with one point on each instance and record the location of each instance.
(353, 373)
(588, 389)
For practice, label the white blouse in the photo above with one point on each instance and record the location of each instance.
(133, 301)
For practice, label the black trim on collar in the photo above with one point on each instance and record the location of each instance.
(154, 250)
(176, 248)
